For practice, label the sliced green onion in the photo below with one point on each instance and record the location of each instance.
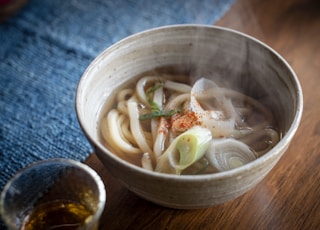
(185, 150)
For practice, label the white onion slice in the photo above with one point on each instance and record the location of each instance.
(140, 90)
(226, 154)
(216, 121)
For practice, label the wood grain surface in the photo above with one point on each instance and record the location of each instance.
(289, 197)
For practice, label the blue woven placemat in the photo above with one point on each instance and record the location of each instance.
(44, 50)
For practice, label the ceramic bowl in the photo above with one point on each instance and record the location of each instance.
(235, 58)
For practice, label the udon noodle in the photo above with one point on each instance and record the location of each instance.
(172, 127)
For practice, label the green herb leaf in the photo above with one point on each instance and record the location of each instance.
(159, 113)
(155, 108)
(151, 90)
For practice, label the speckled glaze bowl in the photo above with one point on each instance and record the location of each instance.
(236, 58)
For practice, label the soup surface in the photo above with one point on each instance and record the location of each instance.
(169, 126)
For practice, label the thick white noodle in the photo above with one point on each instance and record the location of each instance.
(116, 136)
(105, 131)
(176, 86)
(148, 136)
(140, 88)
(154, 128)
(146, 162)
(124, 94)
(124, 126)
(158, 99)
(122, 107)
(136, 128)
(113, 147)
(177, 101)
(159, 125)
(159, 143)
(122, 98)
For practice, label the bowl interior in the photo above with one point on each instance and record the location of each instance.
(231, 59)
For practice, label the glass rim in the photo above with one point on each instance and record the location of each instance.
(77, 164)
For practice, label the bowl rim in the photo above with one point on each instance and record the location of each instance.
(280, 146)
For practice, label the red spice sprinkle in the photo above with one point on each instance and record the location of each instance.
(182, 123)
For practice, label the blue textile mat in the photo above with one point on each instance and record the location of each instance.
(44, 50)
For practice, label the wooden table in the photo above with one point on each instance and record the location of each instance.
(289, 197)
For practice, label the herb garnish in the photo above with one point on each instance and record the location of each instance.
(156, 111)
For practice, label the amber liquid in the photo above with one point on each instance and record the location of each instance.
(56, 215)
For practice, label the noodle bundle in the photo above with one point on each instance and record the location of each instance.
(172, 127)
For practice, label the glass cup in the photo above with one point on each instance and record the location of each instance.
(53, 194)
